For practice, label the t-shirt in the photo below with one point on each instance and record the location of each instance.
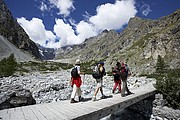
(78, 68)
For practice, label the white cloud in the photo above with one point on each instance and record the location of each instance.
(64, 6)
(85, 30)
(145, 9)
(43, 7)
(108, 16)
(66, 33)
(36, 31)
(114, 16)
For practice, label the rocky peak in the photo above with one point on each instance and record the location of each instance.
(140, 43)
(134, 22)
(10, 29)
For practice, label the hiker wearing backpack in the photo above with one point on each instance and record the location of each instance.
(76, 82)
(125, 72)
(100, 72)
(117, 78)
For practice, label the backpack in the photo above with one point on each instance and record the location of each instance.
(95, 73)
(98, 74)
(74, 72)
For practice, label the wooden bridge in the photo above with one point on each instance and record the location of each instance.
(88, 110)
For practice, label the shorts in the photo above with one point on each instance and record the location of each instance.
(99, 83)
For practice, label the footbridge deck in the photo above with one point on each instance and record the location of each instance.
(88, 110)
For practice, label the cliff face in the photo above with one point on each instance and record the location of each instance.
(139, 44)
(10, 29)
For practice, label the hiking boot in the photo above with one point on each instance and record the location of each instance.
(103, 96)
(113, 91)
(73, 101)
(129, 93)
(81, 98)
(123, 95)
(93, 98)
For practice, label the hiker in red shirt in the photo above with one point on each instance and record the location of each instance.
(76, 82)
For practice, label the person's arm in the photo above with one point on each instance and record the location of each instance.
(70, 82)
(129, 72)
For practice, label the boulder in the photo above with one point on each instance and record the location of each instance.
(15, 96)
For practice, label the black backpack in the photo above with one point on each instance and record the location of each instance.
(116, 72)
(74, 72)
(98, 74)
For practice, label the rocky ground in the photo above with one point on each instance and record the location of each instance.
(54, 86)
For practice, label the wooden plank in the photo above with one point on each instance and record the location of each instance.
(11, 115)
(28, 114)
(37, 113)
(46, 113)
(18, 114)
(65, 109)
(4, 114)
(59, 114)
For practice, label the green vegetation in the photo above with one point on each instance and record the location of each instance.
(8, 66)
(42, 66)
(141, 43)
(168, 82)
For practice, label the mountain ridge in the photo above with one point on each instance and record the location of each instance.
(7, 48)
(10, 29)
(139, 44)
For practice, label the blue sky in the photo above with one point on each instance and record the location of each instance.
(56, 23)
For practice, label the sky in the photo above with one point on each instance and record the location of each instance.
(57, 23)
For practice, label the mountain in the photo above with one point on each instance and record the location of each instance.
(6, 48)
(10, 29)
(139, 45)
(46, 53)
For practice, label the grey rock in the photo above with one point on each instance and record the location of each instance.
(15, 96)
(10, 29)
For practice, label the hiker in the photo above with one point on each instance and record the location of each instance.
(117, 79)
(125, 72)
(76, 82)
(100, 70)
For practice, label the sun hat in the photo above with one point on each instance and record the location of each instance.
(78, 61)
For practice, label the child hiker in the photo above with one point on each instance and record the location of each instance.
(117, 78)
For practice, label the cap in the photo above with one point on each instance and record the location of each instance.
(102, 63)
(78, 61)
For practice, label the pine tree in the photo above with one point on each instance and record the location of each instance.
(160, 66)
(8, 66)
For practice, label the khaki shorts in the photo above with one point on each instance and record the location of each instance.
(99, 83)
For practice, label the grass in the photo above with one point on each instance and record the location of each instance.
(141, 43)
